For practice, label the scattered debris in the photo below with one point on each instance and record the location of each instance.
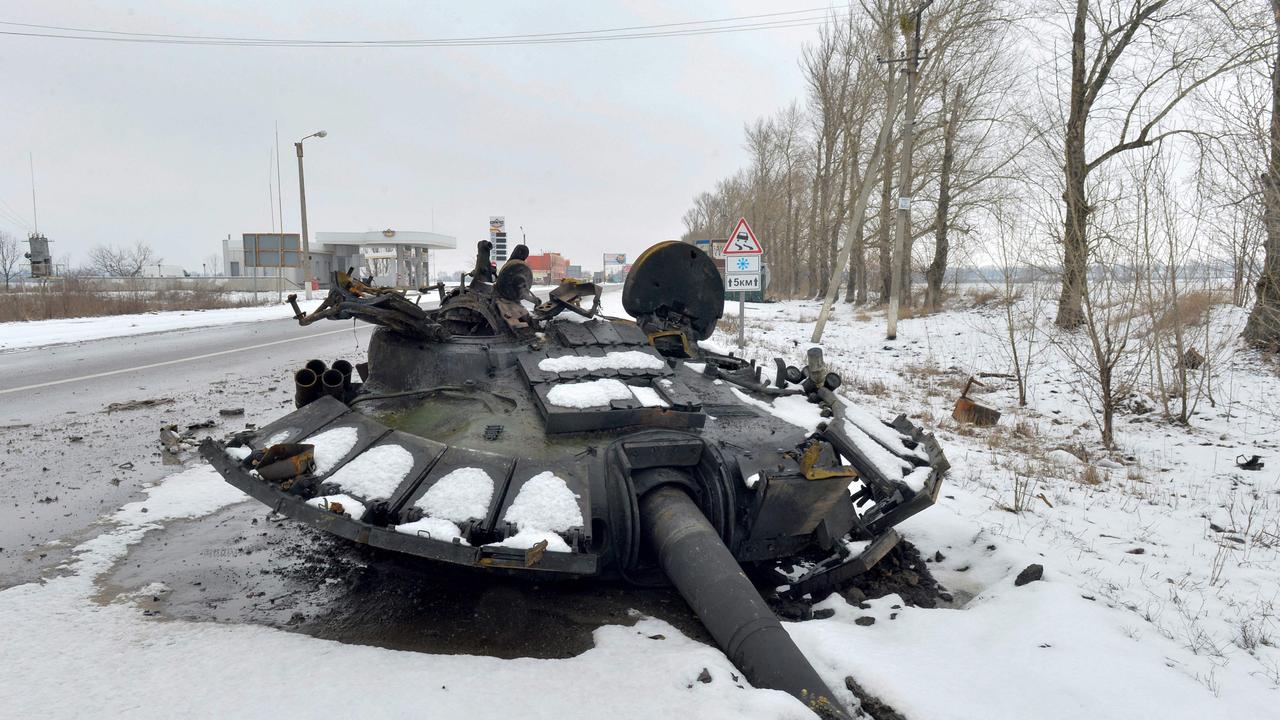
(1252, 463)
(704, 676)
(138, 404)
(872, 706)
(1029, 574)
(968, 411)
(231, 412)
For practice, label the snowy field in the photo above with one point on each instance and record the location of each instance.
(1161, 577)
(40, 333)
(1159, 595)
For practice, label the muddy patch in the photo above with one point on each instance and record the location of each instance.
(240, 566)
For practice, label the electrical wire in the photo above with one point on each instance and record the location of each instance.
(8, 213)
(766, 21)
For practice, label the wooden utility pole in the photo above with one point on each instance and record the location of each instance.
(860, 207)
(902, 264)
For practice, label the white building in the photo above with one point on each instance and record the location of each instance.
(394, 257)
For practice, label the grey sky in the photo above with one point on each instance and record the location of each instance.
(592, 147)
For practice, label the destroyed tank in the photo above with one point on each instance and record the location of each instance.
(540, 438)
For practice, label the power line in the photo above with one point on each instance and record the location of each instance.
(789, 19)
(7, 212)
(456, 39)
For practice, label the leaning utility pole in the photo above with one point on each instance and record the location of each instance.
(869, 174)
(901, 263)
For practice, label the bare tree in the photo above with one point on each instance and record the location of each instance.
(1263, 328)
(10, 255)
(1132, 63)
(1110, 355)
(1020, 292)
(121, 261)
(942, 245)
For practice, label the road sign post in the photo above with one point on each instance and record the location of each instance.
(742, 253)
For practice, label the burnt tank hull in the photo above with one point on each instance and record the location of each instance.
(483, 405)
(558, 443)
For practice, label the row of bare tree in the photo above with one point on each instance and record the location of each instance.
(1043, 107)
(108, 260)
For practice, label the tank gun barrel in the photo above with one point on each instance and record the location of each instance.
(697, 562)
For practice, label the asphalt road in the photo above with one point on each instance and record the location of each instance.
(65, 459)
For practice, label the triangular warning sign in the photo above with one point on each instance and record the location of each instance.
(742, 241)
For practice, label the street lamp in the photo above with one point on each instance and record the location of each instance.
(302, 199)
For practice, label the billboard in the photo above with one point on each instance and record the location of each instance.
(615, 258)
(498, 236)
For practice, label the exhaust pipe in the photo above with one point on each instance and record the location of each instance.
(345, 368)
(316, 366)
(696, 561)
(306, 387)
(333, 384)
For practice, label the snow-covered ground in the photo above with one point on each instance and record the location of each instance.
(66, 655)
(39, 333)
(1160, 563)
(1161, 580)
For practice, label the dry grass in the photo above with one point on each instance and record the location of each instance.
(872, 387)
(1090, 476)
(935, 380)
(906, 312)
(79, 298)
(728, 324)
(1025, 429)
(979, 297)
(862, 316)
(924, 372)
(1191, 309)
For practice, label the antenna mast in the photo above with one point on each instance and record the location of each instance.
(35, 219)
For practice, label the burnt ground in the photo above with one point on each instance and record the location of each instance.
(903, 571)
(241, 565)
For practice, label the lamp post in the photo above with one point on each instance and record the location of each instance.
(302, 200)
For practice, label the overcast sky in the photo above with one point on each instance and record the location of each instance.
(592, 147)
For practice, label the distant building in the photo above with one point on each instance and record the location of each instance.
(548, 268)
(392, 257)
(164, 271)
